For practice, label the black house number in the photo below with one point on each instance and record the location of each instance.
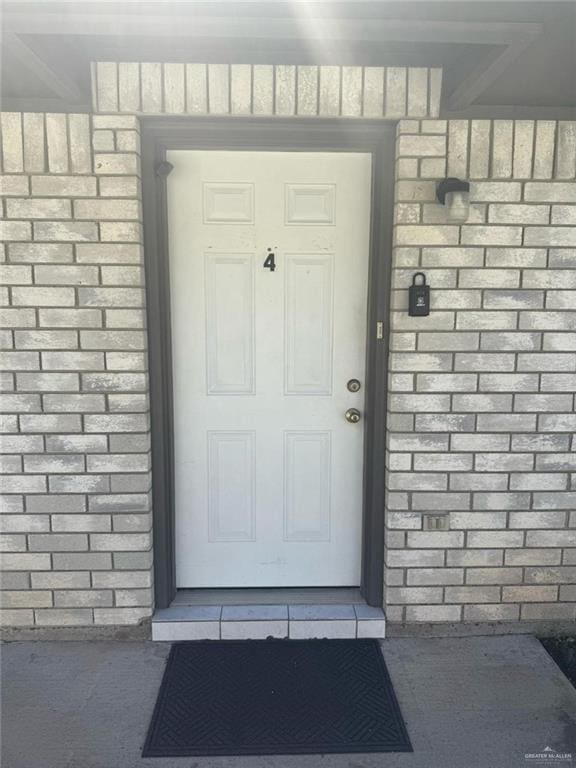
(270, 262)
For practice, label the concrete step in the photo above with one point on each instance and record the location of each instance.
(253, 621)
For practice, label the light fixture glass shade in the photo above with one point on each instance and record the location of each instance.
(457, 206)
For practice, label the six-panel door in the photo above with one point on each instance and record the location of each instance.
(268, 271)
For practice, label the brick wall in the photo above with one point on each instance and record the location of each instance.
(481, 411)
(281, 90)
(75, 445)
(481, 401)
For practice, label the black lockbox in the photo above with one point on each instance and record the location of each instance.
(419, 297)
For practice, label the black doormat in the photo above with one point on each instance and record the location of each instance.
(275, 697)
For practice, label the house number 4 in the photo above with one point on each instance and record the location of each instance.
(270, 261)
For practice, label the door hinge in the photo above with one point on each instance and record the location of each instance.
(379, 330)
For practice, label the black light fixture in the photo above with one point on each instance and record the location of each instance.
(454, 194)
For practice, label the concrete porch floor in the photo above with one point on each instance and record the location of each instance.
(476, 702)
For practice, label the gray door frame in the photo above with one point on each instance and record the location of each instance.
(273, 134)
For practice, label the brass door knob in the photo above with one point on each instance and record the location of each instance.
(353, 415)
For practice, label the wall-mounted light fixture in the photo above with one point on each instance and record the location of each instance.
(455, 195)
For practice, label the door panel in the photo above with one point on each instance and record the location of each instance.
(307, 482)
(268, 472)
(308, 324)
(231, 483)
(229, 324)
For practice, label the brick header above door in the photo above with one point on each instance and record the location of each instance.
(387, 93)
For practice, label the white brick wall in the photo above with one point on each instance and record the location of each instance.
(282, 90)
(75, 443)
(481, 392)
(481, 411)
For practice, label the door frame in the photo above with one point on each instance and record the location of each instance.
(292, 134)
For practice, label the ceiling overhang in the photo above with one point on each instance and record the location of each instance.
(487, 48)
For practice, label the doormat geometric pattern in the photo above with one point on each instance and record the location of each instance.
(275, 697)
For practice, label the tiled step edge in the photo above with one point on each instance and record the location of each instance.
(216, 622)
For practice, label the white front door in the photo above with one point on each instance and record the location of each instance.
(268, 272)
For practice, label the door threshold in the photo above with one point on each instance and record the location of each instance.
(269, 596)
(239, 614)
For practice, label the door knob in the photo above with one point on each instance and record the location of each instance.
(353, 415)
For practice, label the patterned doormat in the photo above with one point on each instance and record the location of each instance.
(275, 697)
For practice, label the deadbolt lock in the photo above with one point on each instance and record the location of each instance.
(353, 415)
(353, 385)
